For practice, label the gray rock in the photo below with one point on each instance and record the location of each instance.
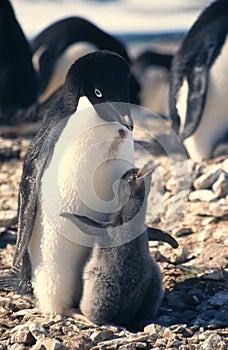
(154, 329)
(206, 180)
(182, 231)
(225, 165)
(37, 331)
(218, 210)
(202, 195)
(22, 335)
(101, 335)
(49, 344)
(214, 342)
(16, 346)
(220, 187)
(8, 218)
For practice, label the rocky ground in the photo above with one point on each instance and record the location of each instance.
(192, 204)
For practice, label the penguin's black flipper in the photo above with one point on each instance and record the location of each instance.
(28, 197)
(192, 62)
(154, 234)
(87, 225)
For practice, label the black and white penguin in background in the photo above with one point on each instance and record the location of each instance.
(199, 81)
(56, 47)
(30, 74)
(152, 70)
(70, 165)
(18, 79)
(122, 284)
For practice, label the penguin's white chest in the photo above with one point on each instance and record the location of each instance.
(88, 158)
(214, 120)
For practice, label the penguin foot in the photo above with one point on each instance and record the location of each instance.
(78, 316)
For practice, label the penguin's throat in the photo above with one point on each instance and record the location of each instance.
(114, 148)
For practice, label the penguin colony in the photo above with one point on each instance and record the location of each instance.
(57, 248)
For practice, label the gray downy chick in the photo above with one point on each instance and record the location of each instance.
(122, 283)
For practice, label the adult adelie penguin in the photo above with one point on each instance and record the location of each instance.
(56, 47)
(72, 164)
(18, 80)
(198, 93)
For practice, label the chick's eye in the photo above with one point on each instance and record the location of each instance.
(98, 93)
(131, 177)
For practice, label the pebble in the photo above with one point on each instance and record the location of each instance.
(206, 180)
(49, 344)
(22, 335)
(202, 195)
(154, 329)
(213, 342)
(8, 218)
(220, 187)
(182, 231)
(100, 335)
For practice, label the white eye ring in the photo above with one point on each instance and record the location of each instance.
(98, 93)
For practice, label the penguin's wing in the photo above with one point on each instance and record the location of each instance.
(37, 156)
(27, 201)
(154, 234)
(191, 65)
(87, 225)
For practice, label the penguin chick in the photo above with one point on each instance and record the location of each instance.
(122, 283)
(83, 146)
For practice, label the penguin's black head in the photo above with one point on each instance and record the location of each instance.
(6, 11)
(103, 77)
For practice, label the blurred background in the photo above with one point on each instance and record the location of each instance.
(138, 23)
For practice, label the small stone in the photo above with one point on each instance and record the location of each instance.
(202, 195)
(16, 346)
(37, 331)
(213, 342)
(180, 256)
(205, 181)
(182, 231)
(219, 210)
(174, 343)
(214, 276)
(101, 335)
(49, 344)
(154, 329)
(22, 335)
(220, 187)
(133, 346)
(168, 333)
(225, 165)
(8, 218)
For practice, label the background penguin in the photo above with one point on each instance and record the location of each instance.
(56, 47)
(18, 80)
(62, 156)
(198, 93)
(152, 70)
(122, 283)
